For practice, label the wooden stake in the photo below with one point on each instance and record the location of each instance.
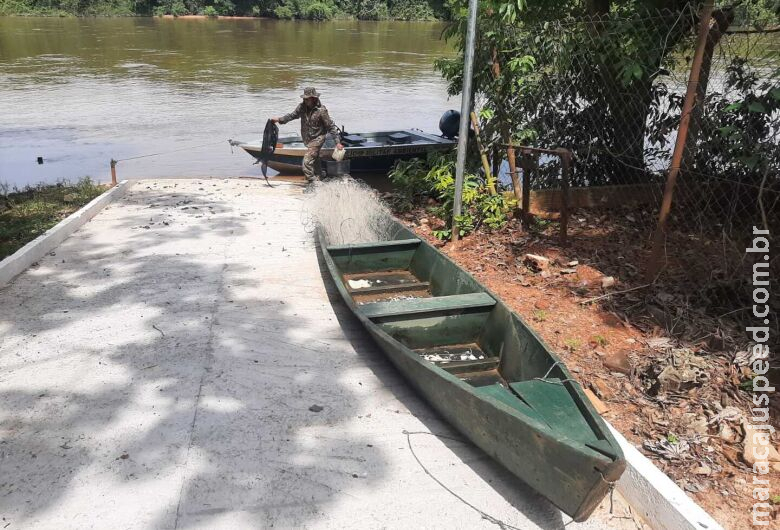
(491, 182)
(510, 150)
(527, 163)
(566, 160)
(113, 172)
(654, 263)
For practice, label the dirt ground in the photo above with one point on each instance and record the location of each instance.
(663, 359)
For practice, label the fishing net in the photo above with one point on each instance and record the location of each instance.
(348, 211)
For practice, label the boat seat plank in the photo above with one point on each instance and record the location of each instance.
(464, 367)
(384, 245)
(384, 281)
(399, 287)
(435, 304)
(501, 393)
(552, 401)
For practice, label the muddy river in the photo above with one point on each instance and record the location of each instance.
(79, 92)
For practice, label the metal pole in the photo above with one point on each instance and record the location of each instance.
(654, 263)
(465, 108)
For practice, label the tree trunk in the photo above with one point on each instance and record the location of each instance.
(722, 20)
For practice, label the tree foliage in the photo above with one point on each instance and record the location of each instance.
(605, 78)
(283, 9)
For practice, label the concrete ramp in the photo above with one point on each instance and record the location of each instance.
(179, 363)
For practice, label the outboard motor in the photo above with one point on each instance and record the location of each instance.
(449, 124)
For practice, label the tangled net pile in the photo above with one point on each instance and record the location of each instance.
(348, 211)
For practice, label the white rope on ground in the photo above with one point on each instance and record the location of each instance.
(498, 522)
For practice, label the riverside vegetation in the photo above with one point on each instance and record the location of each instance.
(26, 214)
(283, 9)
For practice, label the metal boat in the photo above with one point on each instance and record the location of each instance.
(480, 366)
(367, 152)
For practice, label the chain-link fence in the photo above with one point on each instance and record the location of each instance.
(611, 89)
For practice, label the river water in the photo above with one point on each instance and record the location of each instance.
(79, 92)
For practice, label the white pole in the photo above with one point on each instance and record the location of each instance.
(465, 109)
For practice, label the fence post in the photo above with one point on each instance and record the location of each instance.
(512, 154)
(526, 164)
(489, 177)
(566, 160)
(656, 253)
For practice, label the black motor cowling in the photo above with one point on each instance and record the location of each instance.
(449, 124)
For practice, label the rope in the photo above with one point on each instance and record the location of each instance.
(498, 522)
(168, 152)
(543, 379)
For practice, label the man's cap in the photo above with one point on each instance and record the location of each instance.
(310, 92)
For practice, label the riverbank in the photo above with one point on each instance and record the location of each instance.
(318, 10)
(664, 373)
(26, 214)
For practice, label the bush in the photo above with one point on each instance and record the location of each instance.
(225, 7)
(372, 10)
(416, 180)
(317, 11)
(209, 11)
(411, 10)
(284, 12)
(410, 186)
(177, 8)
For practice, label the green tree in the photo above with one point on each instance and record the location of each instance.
(605, 53)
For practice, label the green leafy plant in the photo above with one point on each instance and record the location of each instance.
(29, 212)
(572, 344)
(225, 7)
(540, 315)
(479, 206)
(409, 182)
(284, 12)
(317, 11)
(747, 384)
(444, 233)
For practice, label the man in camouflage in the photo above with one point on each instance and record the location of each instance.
(315, 126)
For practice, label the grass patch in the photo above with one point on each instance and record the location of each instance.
(26, 214)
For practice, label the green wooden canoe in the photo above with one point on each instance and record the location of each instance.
(480, 366)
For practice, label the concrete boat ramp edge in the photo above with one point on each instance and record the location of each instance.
(19, 261)
(179, 362)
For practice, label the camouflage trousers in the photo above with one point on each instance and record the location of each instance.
(312, 169)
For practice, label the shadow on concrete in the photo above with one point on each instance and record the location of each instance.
(142, 385)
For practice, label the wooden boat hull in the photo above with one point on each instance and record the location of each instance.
(376, 155)
(564, 450)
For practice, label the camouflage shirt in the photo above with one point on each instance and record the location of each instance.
(315, 122)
